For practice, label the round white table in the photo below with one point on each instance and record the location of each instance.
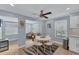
(43, 40)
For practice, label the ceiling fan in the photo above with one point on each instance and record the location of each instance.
(44, 15)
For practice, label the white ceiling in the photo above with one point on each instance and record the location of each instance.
(32, 9)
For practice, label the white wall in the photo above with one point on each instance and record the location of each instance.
(74, 25)
(1, 32)
(21, 33)
(74, 44)
(50, 31)
(43, 24)
(74, 21)
(6, 18)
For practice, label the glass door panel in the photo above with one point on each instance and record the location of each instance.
(35, 28)
(61, 28)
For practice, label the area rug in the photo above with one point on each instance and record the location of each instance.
(34, 50)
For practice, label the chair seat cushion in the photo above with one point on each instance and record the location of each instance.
(49, 43)
(37, 43)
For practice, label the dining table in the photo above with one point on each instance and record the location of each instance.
(43, 39)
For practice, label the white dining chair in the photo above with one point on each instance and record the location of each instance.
(48, 37)
(37, 44)
(49, 45)
(37, 37)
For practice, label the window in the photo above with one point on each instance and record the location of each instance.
(11, 28)
(11, 25)
(28, 27)
(36, 28)
(32, 26)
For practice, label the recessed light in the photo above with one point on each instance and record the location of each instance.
(67, 8)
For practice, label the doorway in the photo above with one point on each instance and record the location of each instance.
(61, 28)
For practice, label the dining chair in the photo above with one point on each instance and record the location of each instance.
(37, 37)
(48, 37)
(37, 44)
(48, 44)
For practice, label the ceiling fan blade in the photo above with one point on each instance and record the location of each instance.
(45, 16)
(47, 13)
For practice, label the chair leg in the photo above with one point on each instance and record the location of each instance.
(37, 50)
(44, 48)
(50, 50)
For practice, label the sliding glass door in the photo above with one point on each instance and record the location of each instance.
(62, 27)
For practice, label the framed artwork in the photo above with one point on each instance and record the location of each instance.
(49, 25)
(21, 23)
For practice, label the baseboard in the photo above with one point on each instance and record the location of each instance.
(22, 46)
